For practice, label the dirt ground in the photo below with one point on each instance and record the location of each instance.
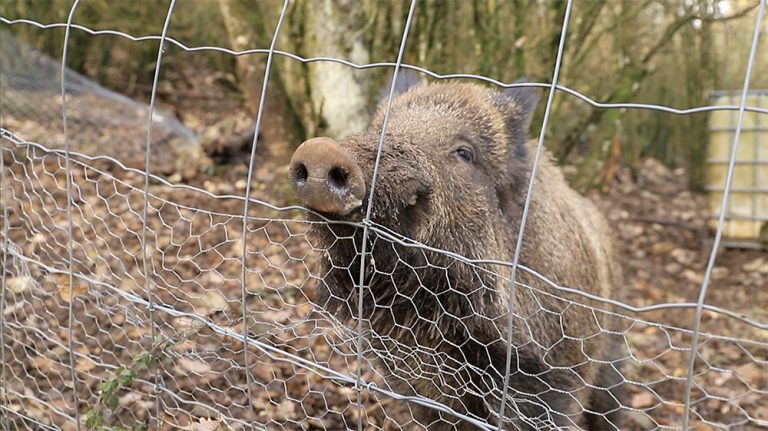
(195, 250)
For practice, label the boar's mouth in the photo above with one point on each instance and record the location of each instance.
(403, 218)
(384, 211)
(354, 216)
(417, 205)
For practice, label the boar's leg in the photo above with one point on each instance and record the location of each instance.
(541, 397)
(608, 401)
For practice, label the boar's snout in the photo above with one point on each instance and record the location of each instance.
(326, 178)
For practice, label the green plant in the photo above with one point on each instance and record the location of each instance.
(121, 378)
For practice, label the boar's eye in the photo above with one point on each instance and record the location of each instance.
(465, 153)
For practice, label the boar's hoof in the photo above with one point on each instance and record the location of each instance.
(326, 178)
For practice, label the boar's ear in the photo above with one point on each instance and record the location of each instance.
(406, 79)
(519, 103)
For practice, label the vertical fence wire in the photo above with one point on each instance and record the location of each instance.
(367, 219)
(721, 217)
(4, 268)
(528, 197)
(147, 165)
(756, 193)
(70, 228)
(246, 206)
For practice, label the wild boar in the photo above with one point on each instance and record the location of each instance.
(454, 171)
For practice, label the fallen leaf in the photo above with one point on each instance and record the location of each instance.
(20, 284)
(45, 365)
(702, 427)
(753, 372)
(206, 425)
(130, 398)
(275, 316)
(693, 276)
(194, 366)
(84, 364)
(643, 399)
(80, 288)
(762, 413)
(213, 301)
(663, 247)
(187, 325)
(286, 410)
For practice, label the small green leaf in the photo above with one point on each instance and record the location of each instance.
(144, 360)
(94, 419)
(127, 377)
(109, 387)
(112, 402)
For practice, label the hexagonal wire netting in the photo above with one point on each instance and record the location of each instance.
(228, 331)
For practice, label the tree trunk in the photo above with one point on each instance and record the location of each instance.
(280, 130)
(340, 96)
(325, 97)
(699, 81)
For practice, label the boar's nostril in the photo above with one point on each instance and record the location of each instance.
(337, 177)
(300, 173)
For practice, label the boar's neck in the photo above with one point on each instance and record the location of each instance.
(406, 287)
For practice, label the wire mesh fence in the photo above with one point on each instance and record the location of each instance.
(129, 301)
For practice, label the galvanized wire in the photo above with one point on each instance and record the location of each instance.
(248, 185)
(489, 80)
(527, 204)
(367, 218)
(145, 208)
(3, 268)
(274, 352)
(394, 237)
(721, 217)
(70, 231)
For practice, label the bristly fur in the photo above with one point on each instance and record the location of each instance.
(439, 325)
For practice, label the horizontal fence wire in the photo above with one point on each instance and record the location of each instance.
(220, 301)
(489, 80)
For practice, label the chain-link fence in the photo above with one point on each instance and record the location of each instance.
(129, 301)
